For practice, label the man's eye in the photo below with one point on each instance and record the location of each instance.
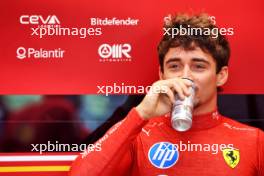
(174, 66)
(199, 66)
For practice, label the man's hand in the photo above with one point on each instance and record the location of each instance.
(157, 103)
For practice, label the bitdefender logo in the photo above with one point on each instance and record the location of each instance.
(22, 53)
(114, 52)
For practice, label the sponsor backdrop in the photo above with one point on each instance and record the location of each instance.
(71, 47)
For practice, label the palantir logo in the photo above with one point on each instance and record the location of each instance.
(114, 51)
(21, 53)
(163, 155)
(41, 53)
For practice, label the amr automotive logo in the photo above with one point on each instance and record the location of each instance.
(163, 155)
(114, 52)
(22, 53)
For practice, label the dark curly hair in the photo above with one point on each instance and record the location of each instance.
(217, 47)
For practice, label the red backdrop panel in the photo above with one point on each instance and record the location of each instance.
(80, 70)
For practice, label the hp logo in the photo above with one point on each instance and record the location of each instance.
(163, 155)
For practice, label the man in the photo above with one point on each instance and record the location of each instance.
(145, 143)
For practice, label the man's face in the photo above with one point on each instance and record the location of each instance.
(197, 66)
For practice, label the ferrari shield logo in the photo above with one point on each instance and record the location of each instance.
(231, 156)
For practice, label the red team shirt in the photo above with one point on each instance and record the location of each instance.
(215, 145)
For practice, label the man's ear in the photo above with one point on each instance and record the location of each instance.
(222, 76)
(160, 74)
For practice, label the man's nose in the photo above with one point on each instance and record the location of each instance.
(186, 72)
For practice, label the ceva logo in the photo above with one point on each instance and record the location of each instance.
(39, 19)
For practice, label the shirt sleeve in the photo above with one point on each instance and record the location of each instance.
(261, 153)
(116, 154)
